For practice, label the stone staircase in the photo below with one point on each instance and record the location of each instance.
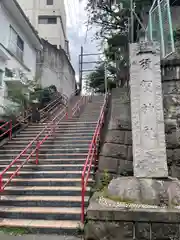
(46, 198)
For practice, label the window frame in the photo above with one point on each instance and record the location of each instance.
(1, 77)
(49, 2)
(18, 43)
(47, 20)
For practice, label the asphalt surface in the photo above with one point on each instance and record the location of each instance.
(37, 237)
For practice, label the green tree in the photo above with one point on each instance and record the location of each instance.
(96, 80)
(112, 22)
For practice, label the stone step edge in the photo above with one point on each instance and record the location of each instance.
(51, 180)
(49, 188)
(43, 198)
(30, 223)
(41, 210)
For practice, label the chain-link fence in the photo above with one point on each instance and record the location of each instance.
(160, 27)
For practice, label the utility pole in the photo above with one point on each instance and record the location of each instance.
(132, 22)
(80, 69)
(105, 77)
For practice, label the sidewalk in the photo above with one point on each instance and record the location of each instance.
(38, 237)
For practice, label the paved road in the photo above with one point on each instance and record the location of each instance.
(37, 237)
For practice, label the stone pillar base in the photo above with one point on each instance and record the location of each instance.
(135, 208)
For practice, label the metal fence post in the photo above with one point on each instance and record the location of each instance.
(10, 131)
(1, 184)
(37, 151)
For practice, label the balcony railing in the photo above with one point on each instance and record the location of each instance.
(16, 50)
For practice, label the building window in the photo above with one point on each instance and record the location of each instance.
(1, 77)
(47, 20)
(16, 44)
(8, 73)
(49, 2)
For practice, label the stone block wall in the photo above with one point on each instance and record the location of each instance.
(171, 94)
(116, 154)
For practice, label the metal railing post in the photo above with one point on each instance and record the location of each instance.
(82, 199)
(10, 131)
(37, 151)
(1, 183)
(67, 112)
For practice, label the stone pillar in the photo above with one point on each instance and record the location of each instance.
(149, 150)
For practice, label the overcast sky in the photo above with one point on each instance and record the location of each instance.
(76, 30)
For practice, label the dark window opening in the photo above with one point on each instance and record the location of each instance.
(47, 20)
(49, 2)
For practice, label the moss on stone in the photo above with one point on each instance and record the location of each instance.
(116, 198)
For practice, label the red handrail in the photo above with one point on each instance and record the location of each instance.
(50, 127)
(11, 127)
(92, 157)
(7, 131)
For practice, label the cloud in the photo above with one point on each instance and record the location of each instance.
(76, 30)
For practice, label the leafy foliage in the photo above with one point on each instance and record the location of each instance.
(96, 79)
(113, 29)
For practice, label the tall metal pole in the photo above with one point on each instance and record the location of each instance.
(81, 70)
(132, 22)
(105, 77)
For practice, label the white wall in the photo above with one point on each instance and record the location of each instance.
(29, 52)
(2, 88)
(53, 32)
(57, 70)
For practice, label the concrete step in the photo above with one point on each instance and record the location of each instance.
(46, 182)
(45, 150)
(45, 191)
(66, 124)
(43, 226)
(48, 213)
(62, 138)
(64, 135)
(50, 168)
(51, 142)
(59, 133)
(42, 201)
(11, 146)
(46, 155)
(48, 161)
(62, 130)
(46, 174)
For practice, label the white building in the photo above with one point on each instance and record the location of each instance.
(49, 19)
(19, 44)
(55, 68)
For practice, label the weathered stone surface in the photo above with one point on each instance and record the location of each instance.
(114, 150)
(128, 138)
(105, 212)
(130, 153)
(147, 114)
(129, 188)
(125, 168)
(115, 136)
(145, 191)
(169, 156)
(96, 230)
(170, 125)
(102, 230)
(176, 155)
(173, 140)
(175, 171)
(108, 163)
(120, 111)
